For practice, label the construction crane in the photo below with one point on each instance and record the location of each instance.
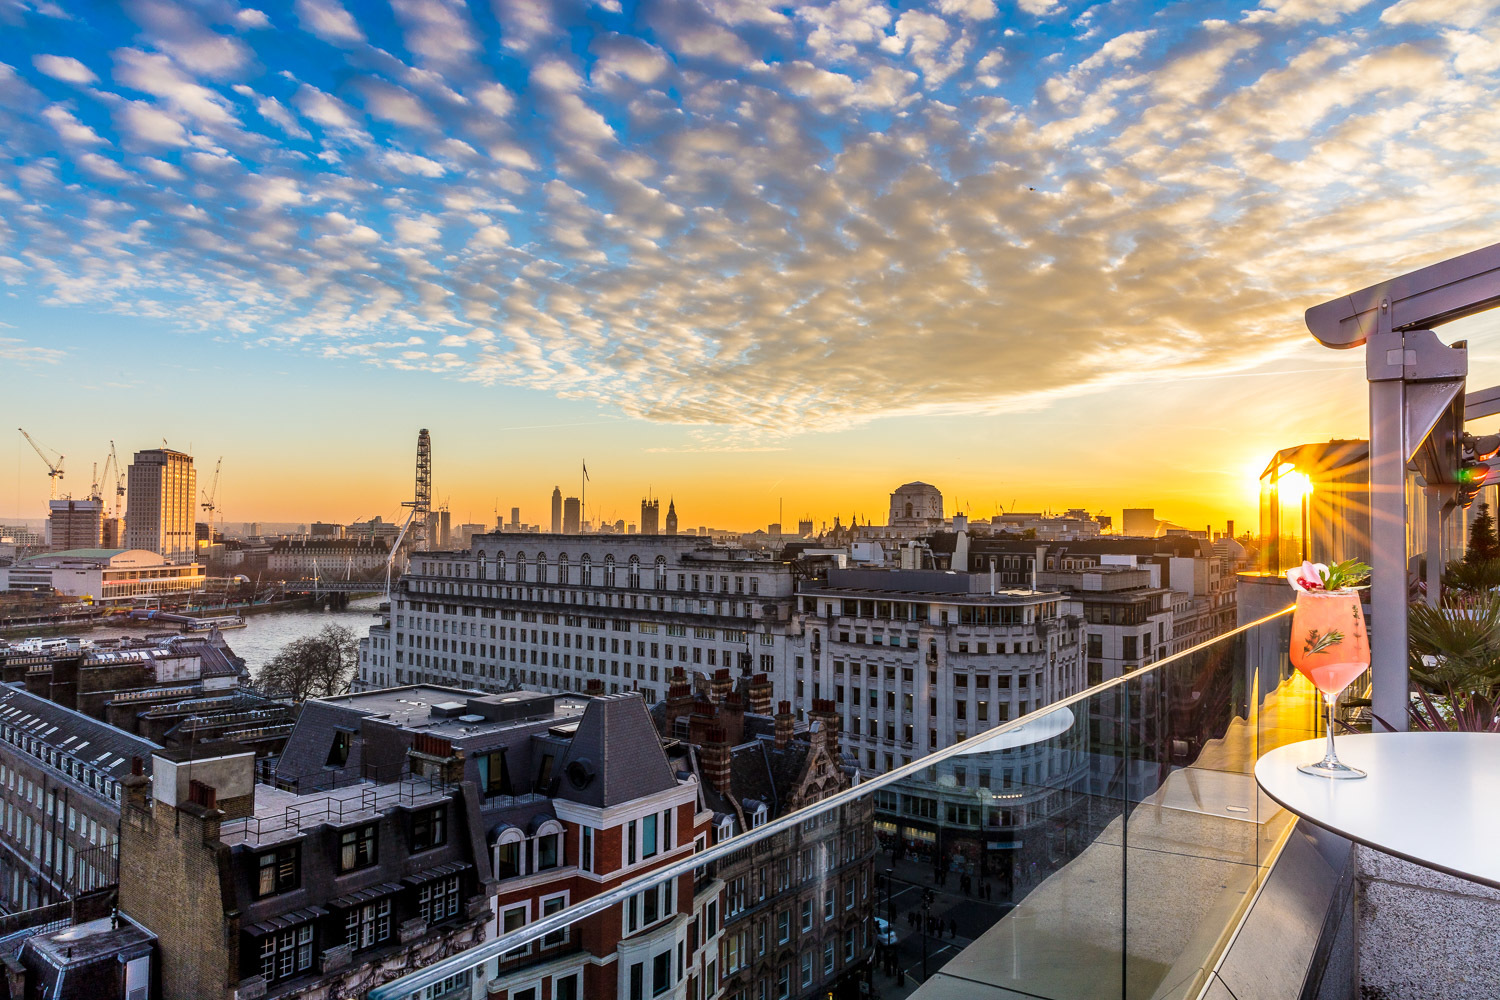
(54, 469)
(113, 462)
(209, 495)
(94, 483)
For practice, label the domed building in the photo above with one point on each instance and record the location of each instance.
(916, 505)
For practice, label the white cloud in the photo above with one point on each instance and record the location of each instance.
(64, 68)
(411, 163)
(69, 127)
(328, 20)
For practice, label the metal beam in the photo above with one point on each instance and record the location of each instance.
(1482, 403)
(1440, 293)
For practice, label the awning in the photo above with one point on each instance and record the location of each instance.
(285, 920)
(365, 895)
(437, 871)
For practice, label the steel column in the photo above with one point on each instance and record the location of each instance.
(1388, 583)
(1434, 501)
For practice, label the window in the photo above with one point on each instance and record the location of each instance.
(278, 871)
(783, 982)
(357, 848)
(338, 753)
(637, 980)
(586, 848)
(368, 925)
(547, 853)
(438, 900)
(807, 914)
(565, 987)
(783, 927)
(661, 973)
(828, 959)
(508, 859)
(549, 907)
(514, 919)
(285, 954)
(648, 835)
(807, 968)
(494, 778)
(428, 828)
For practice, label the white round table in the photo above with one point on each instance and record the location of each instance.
(1431, 798)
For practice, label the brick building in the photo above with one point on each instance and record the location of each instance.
(576, 795)
(254, 891)
(799, 905)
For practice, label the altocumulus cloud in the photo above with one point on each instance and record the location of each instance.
(738, 213)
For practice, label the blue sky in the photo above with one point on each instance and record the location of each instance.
(729, 251)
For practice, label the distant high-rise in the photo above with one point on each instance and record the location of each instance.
(515, 519)
(671, 517)
(163, 492)
(650, 517)
(1140, 521)
(571, 516)
(75, 524)
(557, 510)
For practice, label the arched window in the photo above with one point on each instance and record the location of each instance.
(661, 572)
(609, 571)
(562, 568)
(520, 567)
(541, 567)
(499, 565)
(908, 508)
(483, 566)
(510, 852)
(585, 571)
(634, 576)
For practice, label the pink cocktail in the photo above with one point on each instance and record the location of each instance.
(1330, 647)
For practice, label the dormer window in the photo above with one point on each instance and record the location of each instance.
(277, 871)
(429, 828)
(758, 818)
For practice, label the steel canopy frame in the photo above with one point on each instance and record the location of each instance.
(1416, 398)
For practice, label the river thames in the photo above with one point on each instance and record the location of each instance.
(265, 634)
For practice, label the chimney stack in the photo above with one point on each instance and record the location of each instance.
(732, 715)
(824, 714)
(714, 757)
(760, 695)
(721, 685)
(784, 720)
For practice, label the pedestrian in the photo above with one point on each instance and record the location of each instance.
(952, 928)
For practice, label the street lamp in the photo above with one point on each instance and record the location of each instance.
(889, 950)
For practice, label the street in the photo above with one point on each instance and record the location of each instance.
(970, 915)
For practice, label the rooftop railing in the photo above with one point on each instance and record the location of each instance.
(1142, 841)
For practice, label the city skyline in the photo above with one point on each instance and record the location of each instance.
(741, 255)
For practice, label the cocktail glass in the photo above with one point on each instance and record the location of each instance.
(1330, 647)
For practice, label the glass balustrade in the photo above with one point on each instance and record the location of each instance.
(1105, 846)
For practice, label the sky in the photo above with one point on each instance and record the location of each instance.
(762, 259)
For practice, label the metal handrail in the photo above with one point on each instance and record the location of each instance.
(409, 984)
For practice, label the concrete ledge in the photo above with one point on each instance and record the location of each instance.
(1424, 935)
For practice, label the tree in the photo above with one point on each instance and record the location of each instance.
(315, 666)
(1483, 545)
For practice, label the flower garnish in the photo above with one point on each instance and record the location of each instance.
(1308, 577)
(1350, 574)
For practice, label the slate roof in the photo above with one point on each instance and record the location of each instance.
(618, 741)
(92, 743)
(306, 751)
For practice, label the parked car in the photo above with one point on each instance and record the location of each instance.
(884, 932)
